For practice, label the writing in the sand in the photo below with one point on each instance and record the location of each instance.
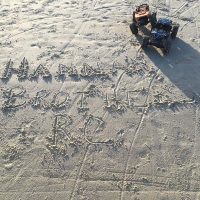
(23, 72)
(15, 98)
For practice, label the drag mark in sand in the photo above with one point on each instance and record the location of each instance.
(79, 172)
(78, 177)
(122, 74)
(118, 82)
(196, 129)
(135, 136)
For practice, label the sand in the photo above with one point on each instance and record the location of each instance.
(86, 114)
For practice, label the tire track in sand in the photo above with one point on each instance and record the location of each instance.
(87, 148)
(135, 136)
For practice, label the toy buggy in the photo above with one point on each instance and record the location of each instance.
(161, 34)
(141, 17)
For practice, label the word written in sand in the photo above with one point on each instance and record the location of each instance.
(23, 72)
(13, 99)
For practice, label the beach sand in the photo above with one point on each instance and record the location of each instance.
(86, 114)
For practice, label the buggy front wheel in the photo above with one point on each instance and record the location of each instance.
(134, 20)
(174, 31)
(134, 28)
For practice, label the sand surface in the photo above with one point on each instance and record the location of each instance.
(86, 114)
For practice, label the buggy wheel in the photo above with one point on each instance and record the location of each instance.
(174, 31)
(134, 28)
(145, 42)
(153, 19)
(166, 46)
(134, 20)
(146, 5)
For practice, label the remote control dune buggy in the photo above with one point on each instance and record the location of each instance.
(141, 17)
(160, 35)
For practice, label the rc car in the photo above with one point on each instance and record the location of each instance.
(141, 17)
(160, 35)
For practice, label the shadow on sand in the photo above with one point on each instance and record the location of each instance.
(181, 66)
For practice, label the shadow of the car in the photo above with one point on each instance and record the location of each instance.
(181, 66)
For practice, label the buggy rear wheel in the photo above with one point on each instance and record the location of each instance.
(134, 28)
(145, 42)
(174, 31)
(166, 46)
